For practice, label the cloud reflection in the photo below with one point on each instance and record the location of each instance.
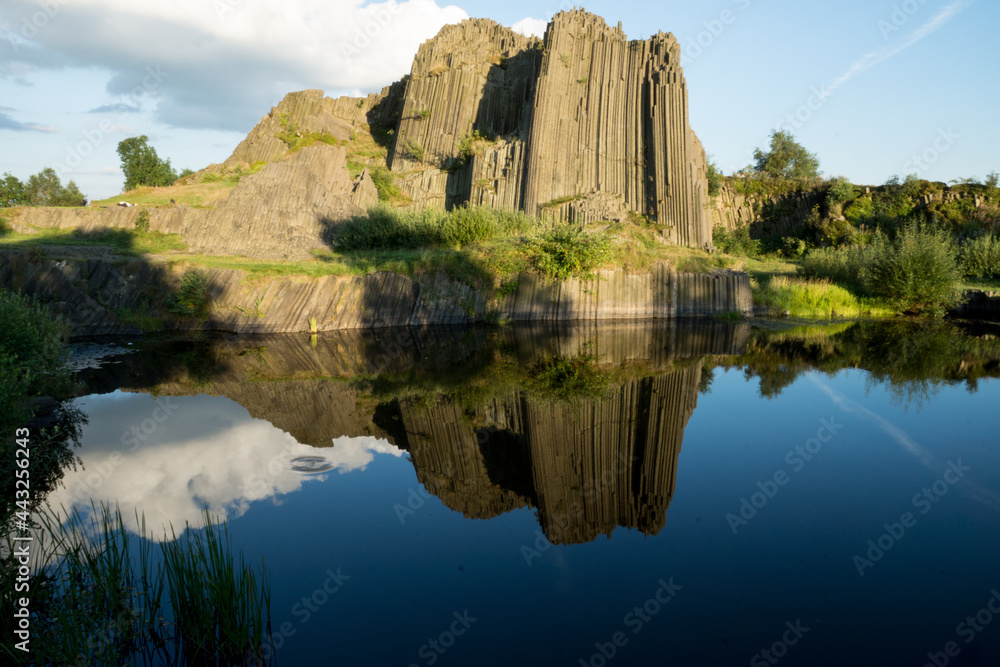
(209, 452)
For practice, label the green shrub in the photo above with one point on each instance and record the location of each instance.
(415, 150)
(918, 271)
(980, 257)
(715, 179)
(793, 247)
(836, 232)
(848, 266)
(565, 253)
(142, 221)
(736, 242)
(388, 228)
(841, 191)
(471, 144)
(860, 210)
(192, 298)
(32, 347)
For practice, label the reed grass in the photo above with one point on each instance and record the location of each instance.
(97, 598)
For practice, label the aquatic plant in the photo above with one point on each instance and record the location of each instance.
(100, 597)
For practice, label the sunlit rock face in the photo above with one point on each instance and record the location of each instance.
(586, 125)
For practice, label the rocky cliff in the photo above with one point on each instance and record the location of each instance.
(586, 125)
(283, 212)
(99, 296)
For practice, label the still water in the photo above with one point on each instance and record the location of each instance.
(700, 494)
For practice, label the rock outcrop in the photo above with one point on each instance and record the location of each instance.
(283, 212)
(94, 293)
(584, 126)
(522, 124)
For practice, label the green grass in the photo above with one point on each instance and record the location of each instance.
(125, 241)
(816, 299)
(105, 602)
(198, 195)
(563, 200)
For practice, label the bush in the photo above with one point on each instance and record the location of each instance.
(860, 210)
(841, 191)
(565, 253)
(142, 221)
(387, 228)
(980, 257)
(793, 247)
(714, 179)
(192, 299)
(847, 266)
(918, 271)
(836, 232)
(737, 242)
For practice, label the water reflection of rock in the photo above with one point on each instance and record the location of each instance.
(588, 465)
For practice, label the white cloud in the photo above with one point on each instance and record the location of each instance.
(225, 63)
(531, 27)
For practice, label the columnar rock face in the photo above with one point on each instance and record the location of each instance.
(586, 115)
(92, 293)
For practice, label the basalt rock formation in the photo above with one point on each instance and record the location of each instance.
(587, 125)
(97, 296)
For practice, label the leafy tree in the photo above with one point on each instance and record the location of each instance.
(786, 158)
(42, 189)
(45, 189)
(990, 184)
(12, 192)
(142, 166)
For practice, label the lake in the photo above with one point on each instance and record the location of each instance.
(699, 493)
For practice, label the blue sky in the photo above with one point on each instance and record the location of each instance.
(875, 88)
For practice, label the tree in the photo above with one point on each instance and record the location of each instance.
(142, 166)
(12, 192)
(45, 189)
(786, 158)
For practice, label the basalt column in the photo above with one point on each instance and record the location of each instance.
(610, 116)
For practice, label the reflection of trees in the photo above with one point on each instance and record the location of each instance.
(912, 359)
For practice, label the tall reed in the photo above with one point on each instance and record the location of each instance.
(96, 598)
